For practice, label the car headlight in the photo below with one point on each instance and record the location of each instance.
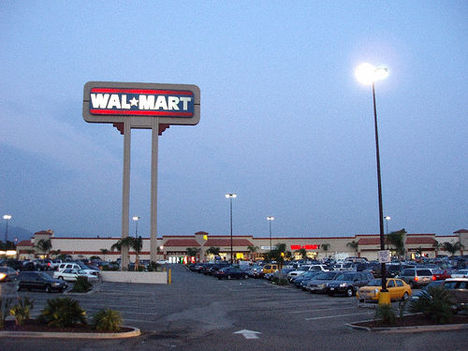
(376, 291)
(343, 285)
(321, 286)
(55, 284)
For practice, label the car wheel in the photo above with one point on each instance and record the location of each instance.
(405, 296)
(60, 278)
(229, 277)
(349, 292)
(246, 276)
(48, 289)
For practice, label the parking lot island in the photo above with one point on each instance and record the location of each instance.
(135, 277)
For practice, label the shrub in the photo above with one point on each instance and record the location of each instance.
(386, 313)
(63, 312)
(154, 267)
(435, 303)
(107, 320)
(82, 285)
(5, 304)
(22, 310)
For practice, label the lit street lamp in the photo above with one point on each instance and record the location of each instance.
(136, 219)
(270, 219)
(368, 74)
(387, 218)
(230, 196)
(7, 218)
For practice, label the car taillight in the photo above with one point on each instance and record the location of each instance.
(434, 277)
(416, 279)
(2, 276)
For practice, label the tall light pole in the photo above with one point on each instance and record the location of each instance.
(7, 218)
(136, 219)
(368, 74)
(387, 219)
(230, 196)
(270, 219)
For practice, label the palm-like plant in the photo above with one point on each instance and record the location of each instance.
(279, 254)
(104, 252)
(192, 251)
(353, 245)
(325, 247)
(302, 252)
(44, 245)
(452, 248)
(397, 240)
(130, 242)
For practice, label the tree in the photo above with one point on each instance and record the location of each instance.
(55, 253)
(353, 245)
(252, 249)
(192, 251)
(452, 248)
(302, 252)
(279, 254)
(213, 251)
(44, 245)
(397, 240)
(325, 247)
(130, 242)
(436, 245)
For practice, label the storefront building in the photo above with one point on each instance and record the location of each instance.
(244, 247)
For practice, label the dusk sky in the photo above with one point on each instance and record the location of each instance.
(284, 123)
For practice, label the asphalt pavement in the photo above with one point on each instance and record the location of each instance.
(198, 312)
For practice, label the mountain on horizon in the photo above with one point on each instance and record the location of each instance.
(15, 232)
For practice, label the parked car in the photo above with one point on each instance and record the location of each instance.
(398, 289)
(433, 284)
(230, 273)
(40, 281)
(348, 283)
(441, 274)
(301, 280)
(320, 282)
(255, 271)
(8, 274)
(417, 277)
(461, 273)
(70, 275)
(269, 268)
(458, 289)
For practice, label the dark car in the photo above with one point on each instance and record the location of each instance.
(8, 274)
(301, 280)
(231, 273)
(320, 283)
(348, 283)
(40, 281)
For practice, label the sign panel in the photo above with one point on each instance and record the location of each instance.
(307, 247)
(384, 256)
(139, 103)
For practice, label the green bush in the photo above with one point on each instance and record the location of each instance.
(63, 312)
(435, 303)
(5, 304)
(386, 313)
(82, 285)
(22, 310)
(154, 267)
(107, 320)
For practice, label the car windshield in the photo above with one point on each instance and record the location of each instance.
(375, 282)
(45, 276)
(326, 276)
(345, 277)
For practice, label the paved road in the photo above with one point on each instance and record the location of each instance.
(198, 312)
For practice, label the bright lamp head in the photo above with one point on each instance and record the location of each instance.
(367, 74)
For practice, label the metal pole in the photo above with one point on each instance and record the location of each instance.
(230, 217)
(126, 193)
(270, 233)
(379, 185)
(154, 191)
(6, 233)
(136, 229)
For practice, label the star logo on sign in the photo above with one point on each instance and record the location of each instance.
(134, 102)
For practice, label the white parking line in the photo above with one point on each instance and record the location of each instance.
(338, 315)
(320, 310)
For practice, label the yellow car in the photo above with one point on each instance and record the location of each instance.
(270, 268)
(398, 289)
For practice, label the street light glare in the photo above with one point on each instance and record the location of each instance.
(367, 74)
(135, 218)
(7, 217)
(230, 195)
(270, 218)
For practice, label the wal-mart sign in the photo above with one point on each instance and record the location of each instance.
(114, 102)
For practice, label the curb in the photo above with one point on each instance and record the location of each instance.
(130, 334)
(415, 329)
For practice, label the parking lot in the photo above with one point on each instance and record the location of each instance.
(198, 312)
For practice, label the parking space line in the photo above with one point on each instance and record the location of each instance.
(338, 315)
(321, 310)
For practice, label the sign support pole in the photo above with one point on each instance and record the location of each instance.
(154, 190)
(126, 193)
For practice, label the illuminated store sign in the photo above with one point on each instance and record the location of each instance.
(307, 247)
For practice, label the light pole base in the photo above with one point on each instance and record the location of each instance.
(384, 298)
